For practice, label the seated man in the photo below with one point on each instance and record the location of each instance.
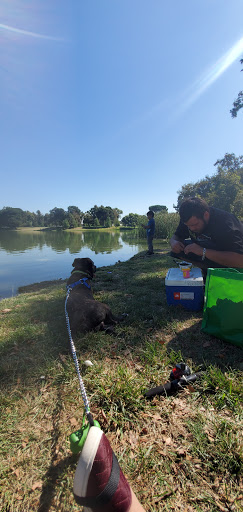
(207, 236)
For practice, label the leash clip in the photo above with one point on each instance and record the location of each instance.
(78, 438)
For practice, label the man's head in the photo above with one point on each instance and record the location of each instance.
(194, 212)
(150, 214)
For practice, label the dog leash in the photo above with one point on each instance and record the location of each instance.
(78, 438)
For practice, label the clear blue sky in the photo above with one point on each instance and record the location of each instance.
(115, 102)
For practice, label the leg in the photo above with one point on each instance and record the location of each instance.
(135, 506)
(150, 244)
(99, 484)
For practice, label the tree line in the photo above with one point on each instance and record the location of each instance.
(73, 217)
(98, 216)
(224, 190)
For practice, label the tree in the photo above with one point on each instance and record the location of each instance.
(238, 103)
(131, 220)
(96, 223)
(223, 190)
(65, 224)
(117, 214)
(39, 218)
(71, 220)
(103, 213)
(57, 216)
(77, 214)
(158, 208)
(108, 223)
(88, 219)
(47, 219)
(12, 218)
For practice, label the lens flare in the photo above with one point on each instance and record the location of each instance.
(27, 33)
(212, 74)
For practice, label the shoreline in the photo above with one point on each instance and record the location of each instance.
(41, 285)
(78, 229)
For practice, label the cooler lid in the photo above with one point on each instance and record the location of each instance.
(174, 277)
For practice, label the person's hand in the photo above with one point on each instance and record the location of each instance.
(195, 248)
(177, 246)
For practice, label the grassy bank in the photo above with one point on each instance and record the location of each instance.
(180, 453)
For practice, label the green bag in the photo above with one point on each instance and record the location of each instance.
(223, 305)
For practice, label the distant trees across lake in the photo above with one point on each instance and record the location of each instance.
(98, 216)
(224, 190)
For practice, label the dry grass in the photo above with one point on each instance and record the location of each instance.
(180, 453)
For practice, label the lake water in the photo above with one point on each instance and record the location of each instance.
(28, 257)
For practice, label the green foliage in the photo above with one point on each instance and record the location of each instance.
(88, 219)
(108, 223)
(57, 216)
(165, 225)
(131, 220)
(96, 222)
(65, 224)
(77, 216)
(158, 208)
(238, 103)
(227, 387)
(222, 190)
(106, 216)
(13, 218)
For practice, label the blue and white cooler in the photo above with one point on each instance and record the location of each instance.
(187, 292)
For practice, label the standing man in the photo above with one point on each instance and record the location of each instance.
(150, 227)
(207, 236)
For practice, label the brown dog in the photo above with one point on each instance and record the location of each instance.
(84, 312)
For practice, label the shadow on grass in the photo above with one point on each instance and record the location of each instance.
(57, 468)
(204, 349)
(36, 334)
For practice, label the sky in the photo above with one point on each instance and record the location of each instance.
(115, 102)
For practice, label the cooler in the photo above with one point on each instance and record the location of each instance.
(188, 292)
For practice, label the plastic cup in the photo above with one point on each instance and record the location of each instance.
(186, 273)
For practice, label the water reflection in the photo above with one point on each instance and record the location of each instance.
(32, 256)
(60, 241)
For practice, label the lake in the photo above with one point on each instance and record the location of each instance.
(29, 256)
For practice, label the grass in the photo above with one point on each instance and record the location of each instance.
(180, 453)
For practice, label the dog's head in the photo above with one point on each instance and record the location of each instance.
(86, 265)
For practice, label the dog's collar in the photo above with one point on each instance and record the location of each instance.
(82, 280)
(85, 274)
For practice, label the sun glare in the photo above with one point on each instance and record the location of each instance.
(212, 74)
(27, 33)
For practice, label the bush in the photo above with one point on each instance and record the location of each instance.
(165, 225)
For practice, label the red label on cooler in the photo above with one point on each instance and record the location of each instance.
(177, 295)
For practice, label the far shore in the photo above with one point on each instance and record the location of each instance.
(80, 228)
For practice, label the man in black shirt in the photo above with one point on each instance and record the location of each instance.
(207, 236)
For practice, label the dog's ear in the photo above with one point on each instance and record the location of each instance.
(91, 267)
(76, 262)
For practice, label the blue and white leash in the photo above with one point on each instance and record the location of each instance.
(73, 349)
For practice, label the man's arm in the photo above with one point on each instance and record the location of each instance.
(176, 244)
(225, 258)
